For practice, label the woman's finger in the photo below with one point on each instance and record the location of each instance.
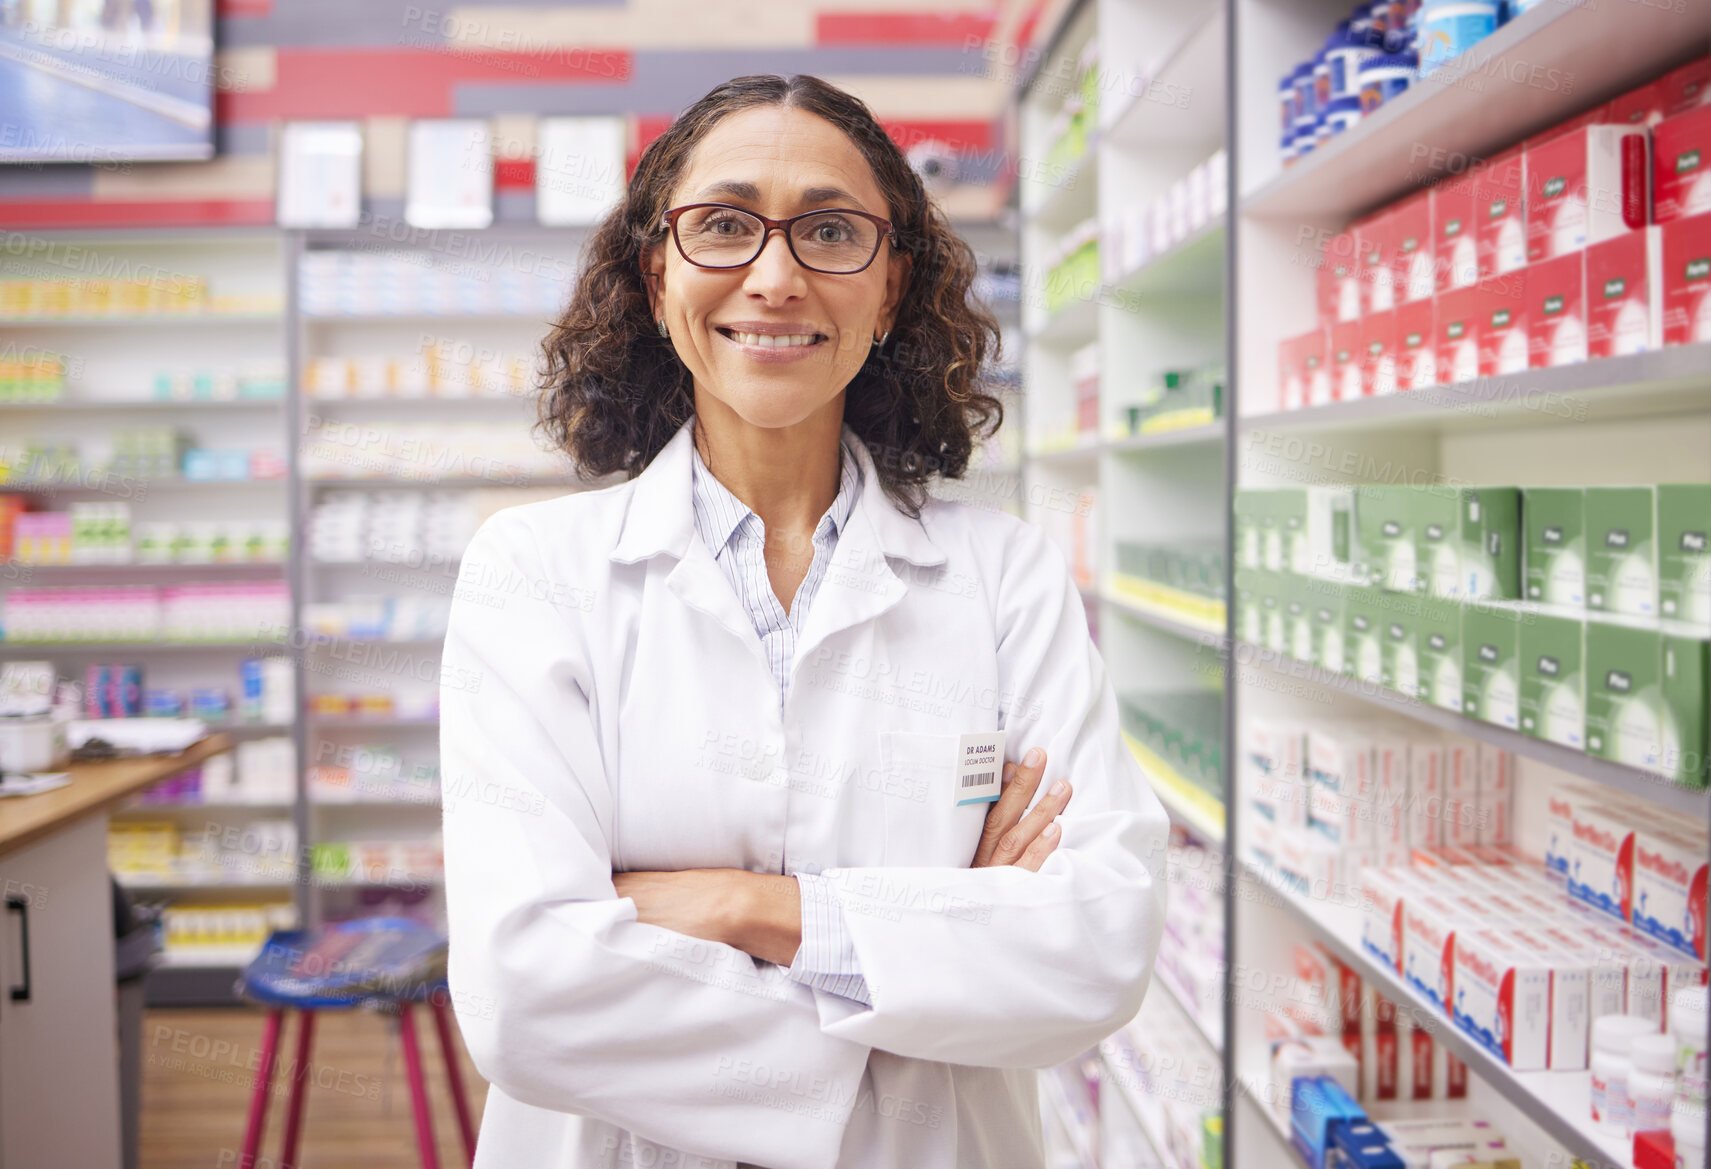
(1015, 842)
(1035, 854)
(1020, 782)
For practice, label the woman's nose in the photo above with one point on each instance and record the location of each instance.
(775, 271)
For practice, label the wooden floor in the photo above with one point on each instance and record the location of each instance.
(198, 1070)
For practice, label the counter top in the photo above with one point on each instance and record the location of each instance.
(94, 787)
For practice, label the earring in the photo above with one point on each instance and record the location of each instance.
(663, 331)
(879, 342)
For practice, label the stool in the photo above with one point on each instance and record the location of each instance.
(394, 963)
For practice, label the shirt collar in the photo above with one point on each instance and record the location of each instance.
(719, 514)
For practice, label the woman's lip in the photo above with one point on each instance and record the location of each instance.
(773, 353)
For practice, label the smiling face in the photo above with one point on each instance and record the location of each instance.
(774, 341)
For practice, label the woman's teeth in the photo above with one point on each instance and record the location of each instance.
(774, 340)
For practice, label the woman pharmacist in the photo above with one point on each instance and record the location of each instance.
(734, 891)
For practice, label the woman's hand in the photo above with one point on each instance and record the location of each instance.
(758, 913)
(1011, 838)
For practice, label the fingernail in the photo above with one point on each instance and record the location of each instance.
(1060, 787)
(1034, 757)
(1050, 830)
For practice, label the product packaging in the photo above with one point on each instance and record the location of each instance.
(1437, 540)
(1504, 325)
(1409, 227)
(1453, 233)
(1363, 634)
(1556, 311)
(1438, 643)
(1669, 899)
(1327, 615)
(1554, 521)
(1378, 352)
(1586, 186)
(1686, 697)
(1682, 148)
(1347, 360)
(1623, 694)
(1400, 655)
(1456, 322)
(1416, 345)
(1686, 280)
(1624, 294)
(1461, 800)
(1429, 926)
(1339, 279)
(1684, 556)
(1491, 647)
(1621, 573)
(1384, 526)
(1601, 860)
(1426, 791)
(1553, 705)
(1502, 997)
(1490, 543)
(1496, 818)
(1500, 234)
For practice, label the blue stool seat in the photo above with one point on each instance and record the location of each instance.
(351, 962)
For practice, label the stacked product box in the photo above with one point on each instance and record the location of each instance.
(1576, 615)
(1523, 962)
(1191, 951)
(1182, 731)
(1326, 799)
(1586, 241)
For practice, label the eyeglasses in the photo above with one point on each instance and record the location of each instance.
(838, 241)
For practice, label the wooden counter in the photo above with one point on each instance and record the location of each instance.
(94, 788)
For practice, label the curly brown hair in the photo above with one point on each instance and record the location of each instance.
(614, 392)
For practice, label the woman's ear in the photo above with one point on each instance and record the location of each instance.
(897, 272)
(653, 279)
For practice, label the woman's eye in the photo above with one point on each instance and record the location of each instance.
(832, 233)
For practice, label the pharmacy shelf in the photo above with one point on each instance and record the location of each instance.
(1539, 69)
(1080, 452)
(1189, 804)
(1125, 1091)
(464, 401)
(134, 569)
(1075, 323)
(1662, 381)
(80, 405)
(542, 317)
(1180, 1003)
(111, 483)
(16, 649)
(1192, 618)
(1173, 437)
(1657, 789)
(142, 320)
(1194, 265)
(1073, 199)
(158, 807)
(446, 482)
(139, 882)
(209, 957)
(1183, 101)
(1252, 1092)
(1559, 1102)
(417, 881)
(345, 722)
(426, 800)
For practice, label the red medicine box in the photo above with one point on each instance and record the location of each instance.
(1409, 226)
(1687, 281)
(1682, 181)
(1346, 363)
(1585, 187)
(1456, 253)
(1624, 312)
(1500, 228)
(1378, 353)
(1377, 268)
(1416, 346)
(1503, 325)
(1556, 311)
(1457, 328)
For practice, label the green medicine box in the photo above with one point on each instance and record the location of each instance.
(1686, 698)
(1490, 663)
(1438, 643)
(1554, 520)
(1327, 611)
(1624, 707)
(1284, 511)
(1621, 570)
(1319, 545)
(1400, 655)
(1490, 543)
(1437, 541)
(1298, 617)
(1363, 634)
(1270, 588)
(1245, 581)
(1553, 696)
(1384, 533)
(1244, 508)
(1684, 556)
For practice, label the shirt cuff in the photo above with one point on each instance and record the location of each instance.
(826, 958)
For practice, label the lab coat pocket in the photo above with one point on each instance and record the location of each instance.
(923, 824)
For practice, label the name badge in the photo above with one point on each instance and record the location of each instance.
(980, 767)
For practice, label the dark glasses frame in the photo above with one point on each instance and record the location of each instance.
(886, 232)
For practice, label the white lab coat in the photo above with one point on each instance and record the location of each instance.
(607, 707)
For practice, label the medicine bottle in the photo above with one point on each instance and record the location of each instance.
(1612, 1038)
(1687, 1022)
(1651, 1083)
(1687, 1125)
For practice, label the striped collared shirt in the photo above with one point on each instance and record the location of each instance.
(737, 538)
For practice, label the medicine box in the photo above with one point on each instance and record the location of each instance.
(1426, 792)
(1383, 892)
(1437, 541)
(1461, 799)
(1601, 859)
(1504, 327)
(1490, 542)
(1410, 228)
(1586, 186)
(1686, 280)
(1347, 361)
(1495, 821)
(1270, 587)
(1284, 514)
(1556, 311)
(1624, 294)
(1378, 352)
(1501, 228)
(1621, 574)
(1502, 997)
(1686, 685)
(1682, 148)
(1318, 532)
(1669, 901)
(1623, 698)
(1327, 616)
(1363, 634)
(1416, 345)
(1298, 617)
(1429, 925)
(1553, 704)
(1569, 1000)
(1554, 520)
(1456, 324)
(1399, 658)
(1490, 649)
(1438, 645)
(1684, 555)
(1457, 258)
(1384, 525)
